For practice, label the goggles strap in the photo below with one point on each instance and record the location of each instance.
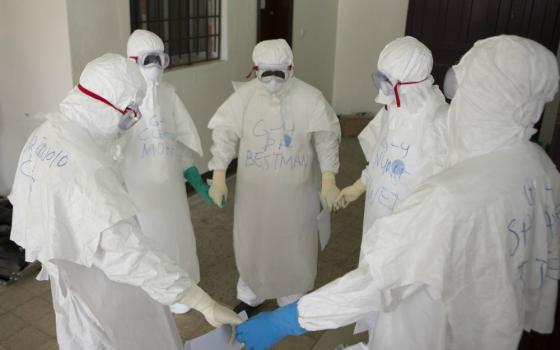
(253, 70)
(399, 83)
(97, 97)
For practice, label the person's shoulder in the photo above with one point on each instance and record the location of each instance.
(302, 88)
(243, 92)
(165, 86)
(494, 177)
(246, 87)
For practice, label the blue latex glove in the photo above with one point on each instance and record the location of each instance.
(268, 328)
(193, 177)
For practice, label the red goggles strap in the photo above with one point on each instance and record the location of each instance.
(97, 97)
(253, 69)
(396, 89)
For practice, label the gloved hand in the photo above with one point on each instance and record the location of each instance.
(214, 313)
(329, 191)
(219, 191)
(193, 177)
(267, 328)
(350, 194)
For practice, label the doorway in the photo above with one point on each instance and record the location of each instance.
(450, 27)
(274, 20)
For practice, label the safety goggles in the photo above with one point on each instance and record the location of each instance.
(129, 116)
(152, 58)
(271, 72)
(383, 83)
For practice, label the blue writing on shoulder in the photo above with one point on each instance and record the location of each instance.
(542, 271)
(553, 270)
(510, 228)
(529, 192)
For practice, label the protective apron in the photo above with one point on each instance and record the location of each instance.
(450, 267)
(402, 147)
(156, 154)
(277, 185)
(66, 193)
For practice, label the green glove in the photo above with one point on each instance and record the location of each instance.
(193, 177)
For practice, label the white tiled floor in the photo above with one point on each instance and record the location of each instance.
(27, 319)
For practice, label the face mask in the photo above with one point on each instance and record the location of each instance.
(450, 83)
(274, 86)
(129, 116)
(152, 74)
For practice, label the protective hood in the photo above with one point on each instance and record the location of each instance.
(503, 85)
(141, 41)
(113, 78)
(273, 53)
(406, 60)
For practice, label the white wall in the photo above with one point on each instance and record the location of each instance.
(34, 72)
(314, 42)
(364, 28)
(103, 26)
(95, 28)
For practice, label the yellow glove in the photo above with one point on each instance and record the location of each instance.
(350, 194)
(219, 191)
(329, 191)
(214, 313)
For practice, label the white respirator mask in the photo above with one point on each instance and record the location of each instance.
(274, 78)
(151, 74)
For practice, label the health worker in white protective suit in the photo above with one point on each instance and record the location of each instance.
(471, 258)
(402, 143)
(288, 135)
(158, 157)
(73, 214)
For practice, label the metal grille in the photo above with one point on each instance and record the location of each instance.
(190, 29)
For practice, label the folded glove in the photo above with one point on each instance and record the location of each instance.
(193, 177)
(329, 191)
(214, 313)
(219, 191)
(350, 194)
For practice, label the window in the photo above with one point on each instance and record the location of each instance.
(190, 29)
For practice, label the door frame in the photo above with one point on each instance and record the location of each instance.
(291, 21)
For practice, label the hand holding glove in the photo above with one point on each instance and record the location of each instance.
(193, 177)
(267, 328)
(329, 191)
(214, 313)
(219, 191)
(350, 194)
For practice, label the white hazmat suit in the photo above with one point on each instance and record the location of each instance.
(288, 135)
(159, 148)
(471, 258)
(73, 214)
(402, 143)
